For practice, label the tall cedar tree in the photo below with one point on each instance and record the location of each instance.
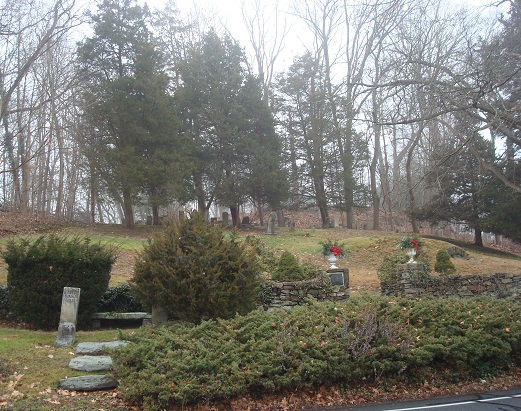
(236, 152)
(127, 104)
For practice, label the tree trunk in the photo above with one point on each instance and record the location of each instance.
(261, 212)
(128, 212)
(294, 173)
(93, 197)
(324, 216)
(155, 215)
(8, 142)
(234, 211)
(478, 238)
(373, 168)
(280, 218)
(410, 187)
(100, 209)
(61, 170)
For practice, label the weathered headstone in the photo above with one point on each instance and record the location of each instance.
(246, 221)
(271, 223)
(68, 317)
(336, 221)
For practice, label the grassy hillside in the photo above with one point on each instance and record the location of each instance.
(30, 366)
(365, 250)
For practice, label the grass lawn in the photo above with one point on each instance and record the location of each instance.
(30, 367)
(365, 250)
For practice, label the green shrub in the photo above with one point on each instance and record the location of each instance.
(5, 304)
(194, 272)
(118, 299)
(266, 258)
(4, 297)
(371, 338)
(310, 270)
(386, 272)
(39, 270)
(288, 268)
(443, 263)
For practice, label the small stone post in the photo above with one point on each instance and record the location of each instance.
(68, 317)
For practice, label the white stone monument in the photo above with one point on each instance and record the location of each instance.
(68, 317)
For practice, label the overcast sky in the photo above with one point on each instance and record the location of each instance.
(227, 13)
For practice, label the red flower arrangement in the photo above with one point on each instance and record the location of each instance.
(332, 247)
(407, 242)
(335, 250)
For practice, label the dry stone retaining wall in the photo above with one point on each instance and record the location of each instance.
(414, 281)
(289, 294)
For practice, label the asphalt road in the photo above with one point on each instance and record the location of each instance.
(509, 400)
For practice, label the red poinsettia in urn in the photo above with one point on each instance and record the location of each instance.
(333, 251)
(410, 245)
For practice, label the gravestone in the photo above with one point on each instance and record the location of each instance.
(68, 317)
(336, 221)
(291, 224)
(271, 223)
(246, 221)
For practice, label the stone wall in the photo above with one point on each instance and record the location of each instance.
(414, 281)
(289, 294)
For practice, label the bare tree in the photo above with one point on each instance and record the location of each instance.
(29, 30)
(267, 29)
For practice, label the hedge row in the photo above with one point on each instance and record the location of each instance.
(38, 270)
(325, 343)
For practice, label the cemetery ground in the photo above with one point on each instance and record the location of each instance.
(30, 366)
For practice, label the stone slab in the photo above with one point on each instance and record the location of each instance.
(98, 348)
(122, 316)
(89, 383)
(89, 363)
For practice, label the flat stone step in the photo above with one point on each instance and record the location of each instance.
(89, 363)
(98, 348)
(89, 383)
